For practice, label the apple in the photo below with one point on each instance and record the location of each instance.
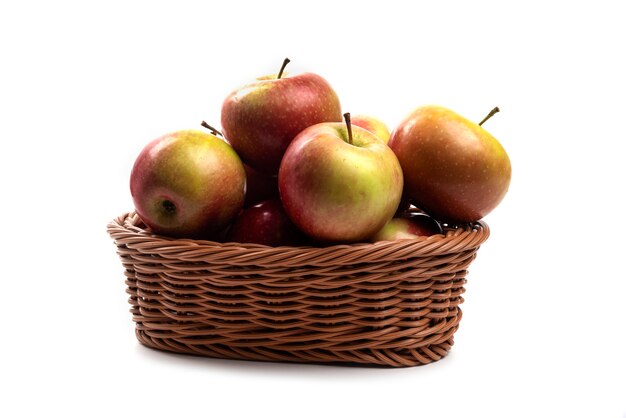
(262, 118)
(372, 124)
(265, 223)
(407, 227)
(188, 184)
(453, 168)
(259, 186)
(339, 183)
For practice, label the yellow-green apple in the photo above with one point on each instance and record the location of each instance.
(188, 184)
(339, 183)
(265, 223)
(262, 118)
(407, 227)
(453, 168)
(372, 124)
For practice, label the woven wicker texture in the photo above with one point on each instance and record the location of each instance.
(390, 303)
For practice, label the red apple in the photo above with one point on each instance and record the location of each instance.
(265, 223)
(453, 168)
(259, 186)
(372, 124)
(188, 184)
(262, 118)
(407, 227)
(339, 183)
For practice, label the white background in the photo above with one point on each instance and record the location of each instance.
(85, 85)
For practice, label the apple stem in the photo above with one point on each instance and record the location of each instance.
(486, 118)
(346, 116)
(212, 129)
(282, 68)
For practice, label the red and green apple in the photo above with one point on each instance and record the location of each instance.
(339, 183)
(453, 168)
(407, 227)
(188, 184)
(261, 119)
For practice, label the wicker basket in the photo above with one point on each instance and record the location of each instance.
(389, 303)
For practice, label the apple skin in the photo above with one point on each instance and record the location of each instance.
(453, 168)
(335, 191)
(188, 184)
(265, 223)
(262, 118)
(407, 227)
(372, 124)
(259, 186)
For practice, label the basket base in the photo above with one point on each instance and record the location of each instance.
(384, 358)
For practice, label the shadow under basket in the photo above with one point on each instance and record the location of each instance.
(392, 303)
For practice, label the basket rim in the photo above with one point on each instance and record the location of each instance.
(128, 230)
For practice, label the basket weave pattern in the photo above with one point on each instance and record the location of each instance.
(390, 303)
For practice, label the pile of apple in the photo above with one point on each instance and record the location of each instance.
(289, 169)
